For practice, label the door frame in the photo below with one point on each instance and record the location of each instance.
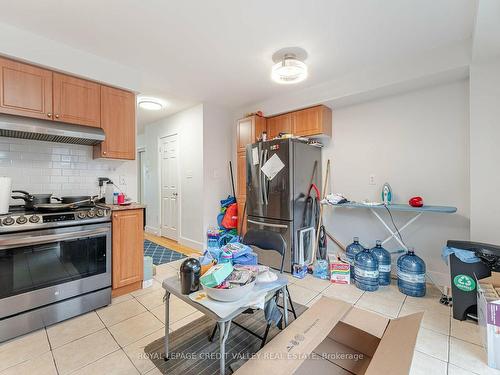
(179, 195)
(141, 175)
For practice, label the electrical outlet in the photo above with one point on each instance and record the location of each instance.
(122, 180)
(371, 179)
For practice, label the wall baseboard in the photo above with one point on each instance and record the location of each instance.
(190, 243)
(152, 230)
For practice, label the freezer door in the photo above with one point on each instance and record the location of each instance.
(272, 258)
(270, 198)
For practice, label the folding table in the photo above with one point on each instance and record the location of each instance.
(172, 285)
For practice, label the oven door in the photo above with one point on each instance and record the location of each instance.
(41, 267)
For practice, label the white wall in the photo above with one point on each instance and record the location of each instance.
(188, 124)
(217, 146)
(418, 142)
(484, 151)
(61, 169)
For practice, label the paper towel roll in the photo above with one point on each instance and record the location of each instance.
(5, 193)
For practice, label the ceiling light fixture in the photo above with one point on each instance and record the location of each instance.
(151, 104)
(288, 68)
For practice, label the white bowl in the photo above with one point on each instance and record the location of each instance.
(229, 295)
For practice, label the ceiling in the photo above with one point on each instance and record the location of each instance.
(220, 51)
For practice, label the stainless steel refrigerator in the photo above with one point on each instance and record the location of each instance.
(279, 203)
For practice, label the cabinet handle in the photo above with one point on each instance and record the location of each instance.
(57, 116)
(49, 115)
(104, 152)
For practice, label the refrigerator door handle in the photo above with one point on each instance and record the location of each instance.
(267, 224)
(265, 183)
(261, 177)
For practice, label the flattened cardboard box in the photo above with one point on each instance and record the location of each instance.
(333, 337)
(488, 313)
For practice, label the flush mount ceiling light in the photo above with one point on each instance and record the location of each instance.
(151, 104)
(289, 66)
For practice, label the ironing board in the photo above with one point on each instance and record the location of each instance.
(418, 211)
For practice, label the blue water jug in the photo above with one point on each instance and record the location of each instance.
(384, 263)
(366, 271)
(411, 274)
(351, 251)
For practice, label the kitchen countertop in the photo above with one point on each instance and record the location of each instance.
(132, 206)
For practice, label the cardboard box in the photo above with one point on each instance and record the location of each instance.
(333, 337)
(488, 313)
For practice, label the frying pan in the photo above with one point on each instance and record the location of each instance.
(54, 207)
(77, 199)
(30, 200)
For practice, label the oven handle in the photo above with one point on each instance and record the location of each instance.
(38, 240)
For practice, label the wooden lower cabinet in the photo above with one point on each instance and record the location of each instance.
(242, 216)
(128, 251)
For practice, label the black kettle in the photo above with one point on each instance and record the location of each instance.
(190, 272)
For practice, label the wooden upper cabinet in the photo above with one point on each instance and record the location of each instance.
(118, 123)
(25, 90)
(128, 247)
(312, 121)
(249, 130)
(279, 124)
(76, 101)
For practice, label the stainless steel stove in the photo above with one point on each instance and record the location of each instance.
(53, 266)
(20, 219)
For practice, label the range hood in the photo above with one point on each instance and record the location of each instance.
(50, 131)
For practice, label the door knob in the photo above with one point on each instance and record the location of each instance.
(174, 194)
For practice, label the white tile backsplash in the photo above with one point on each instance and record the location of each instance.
(60, 169)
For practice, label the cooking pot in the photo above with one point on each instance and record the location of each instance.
(30, 200)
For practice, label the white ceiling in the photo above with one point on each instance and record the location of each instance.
(220, 50)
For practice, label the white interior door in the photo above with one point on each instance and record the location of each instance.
(169, 187)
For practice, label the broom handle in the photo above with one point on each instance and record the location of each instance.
(232, 178)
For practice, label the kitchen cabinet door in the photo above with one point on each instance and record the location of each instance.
(244, 133)
(128, 248)
(249, 130)
(76, 101)
(25, 90)
(241, 190)
(312, 121)
(118, 123)
(279, 124)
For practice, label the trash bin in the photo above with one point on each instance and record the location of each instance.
(464, 275)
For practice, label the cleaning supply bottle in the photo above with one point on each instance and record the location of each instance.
(411, 274)
(366, 270)
(351, 251)
(384, 263)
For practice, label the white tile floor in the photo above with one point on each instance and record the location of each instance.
(112, 340)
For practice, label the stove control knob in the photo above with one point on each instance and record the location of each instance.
(8, 221)
(81, 215)
(34, 219)
(100, 213)
(90, 214)
(21, 220)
